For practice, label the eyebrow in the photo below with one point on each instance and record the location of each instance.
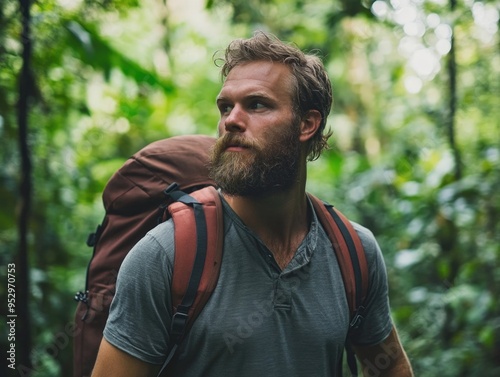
(251, 96)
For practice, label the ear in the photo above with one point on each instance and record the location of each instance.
(309, 125)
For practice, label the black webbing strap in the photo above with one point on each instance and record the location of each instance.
(354, 258)
(351, 360)
(357, 315)
(180, 317)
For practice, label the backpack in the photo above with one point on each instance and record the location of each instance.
(168, 179)
(134, 203)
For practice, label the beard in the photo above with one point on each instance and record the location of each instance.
(262, 168)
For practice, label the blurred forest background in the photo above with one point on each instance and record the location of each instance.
(415, 154)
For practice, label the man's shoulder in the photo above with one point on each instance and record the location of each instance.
(368, 240)
(161, 233)
(365, 234)
(156, 245)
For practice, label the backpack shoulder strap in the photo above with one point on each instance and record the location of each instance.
(198, 237)
(352, 262)
(198, 234)
(349, 252)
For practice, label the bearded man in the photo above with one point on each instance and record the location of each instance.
(278, 262)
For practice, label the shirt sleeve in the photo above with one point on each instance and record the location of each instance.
(377, 323)
(140, 313)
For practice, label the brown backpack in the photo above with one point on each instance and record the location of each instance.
(172, 174)
(134, 202)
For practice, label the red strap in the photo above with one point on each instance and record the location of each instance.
(342, 252)
(185, 248)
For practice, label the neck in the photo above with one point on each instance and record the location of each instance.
(280, 219)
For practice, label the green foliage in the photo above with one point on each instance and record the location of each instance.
(112, 76)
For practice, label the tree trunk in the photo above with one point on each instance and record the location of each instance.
(23, 337)
(450, 119)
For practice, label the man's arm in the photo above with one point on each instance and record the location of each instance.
(113, 362)
(386, 359)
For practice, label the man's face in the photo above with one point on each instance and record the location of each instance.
(259, 149)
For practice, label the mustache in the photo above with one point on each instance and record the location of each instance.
(234, 140)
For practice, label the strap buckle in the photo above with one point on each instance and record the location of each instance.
(178, 326)
(358, 318)
(171, 188)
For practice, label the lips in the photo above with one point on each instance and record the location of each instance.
(237, 146)
(235, 149)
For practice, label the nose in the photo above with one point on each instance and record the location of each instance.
(235, 121)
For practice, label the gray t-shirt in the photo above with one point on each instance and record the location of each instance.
(260, 320)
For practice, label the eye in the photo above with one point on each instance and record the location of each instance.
(257, 105)
(224, 109)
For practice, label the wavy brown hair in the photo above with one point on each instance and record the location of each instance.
(313, 90)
